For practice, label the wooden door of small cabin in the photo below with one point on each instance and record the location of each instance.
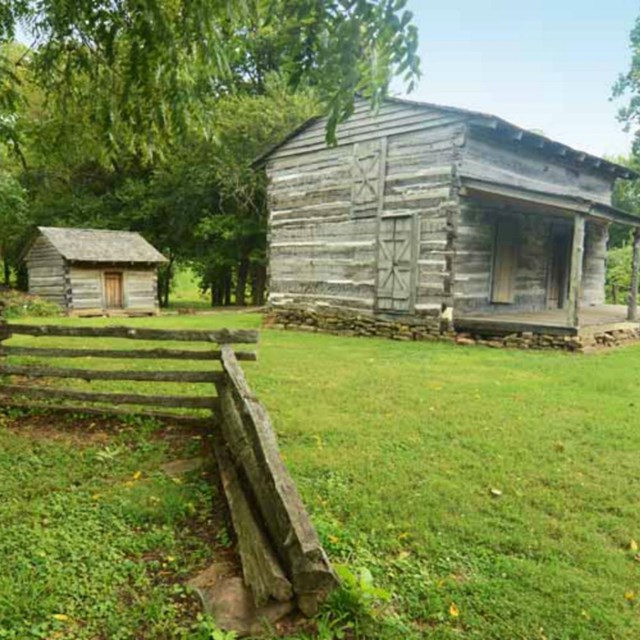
(505, 260)
(396, 263)
(559, 265)
(113, 290)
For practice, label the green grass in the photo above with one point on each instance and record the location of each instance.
(96, 540)
(186, 292)
(396, 447)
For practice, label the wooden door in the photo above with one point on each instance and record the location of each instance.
(113, 290)
(505, 261)
(396, 263)
(559, 263)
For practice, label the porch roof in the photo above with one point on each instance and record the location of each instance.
(564, 203)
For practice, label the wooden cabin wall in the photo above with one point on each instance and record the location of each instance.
(419, 180)
(46, 270)
(141, 288)
(595, 264)
(518, 165)
(85, 284)
(327, 206)
(476, 232)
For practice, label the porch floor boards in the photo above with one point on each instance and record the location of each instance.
(592, 320)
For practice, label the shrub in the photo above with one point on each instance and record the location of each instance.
(18, 304)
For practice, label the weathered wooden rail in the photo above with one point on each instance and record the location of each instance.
(22, 394)
(280, 550)
(282, 558)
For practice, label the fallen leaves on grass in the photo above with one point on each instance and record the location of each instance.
(60, 617)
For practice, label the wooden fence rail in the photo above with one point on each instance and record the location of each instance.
(23, 392)
(282, 558)
(258, 483)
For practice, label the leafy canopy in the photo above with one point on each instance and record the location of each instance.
(628, 84)
(144, 65)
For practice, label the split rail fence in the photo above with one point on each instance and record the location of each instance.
(281, 556)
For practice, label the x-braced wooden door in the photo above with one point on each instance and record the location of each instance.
(396, 263)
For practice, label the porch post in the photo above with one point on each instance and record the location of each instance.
(575, 279)
(632, 311)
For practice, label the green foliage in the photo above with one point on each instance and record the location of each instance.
(95, 550)
(395, 447)
(619, 274)
(19, 305)
(626, 196)
(208, 630)
(14, 220)
(143, 71)
(628, 85)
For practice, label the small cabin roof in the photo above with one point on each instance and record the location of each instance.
(494, 124)
(101, 245)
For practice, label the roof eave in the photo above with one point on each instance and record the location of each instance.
(568, 202)
(553, 147)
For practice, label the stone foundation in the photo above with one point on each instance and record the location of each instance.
(528, 340)
(352, 324)
(438, 328)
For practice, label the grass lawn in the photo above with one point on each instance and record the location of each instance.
(186, 292)
(396, 448)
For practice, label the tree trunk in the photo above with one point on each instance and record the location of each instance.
(258, 285)
(227, 287)
(7, 273)
(22, 277)
(165, 276)
(241, 283)
(213, 292)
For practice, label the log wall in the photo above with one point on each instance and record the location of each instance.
(476, 232)
(515, 164)
(326, 205)
(330, 213)
(86, 287)
(46, 272)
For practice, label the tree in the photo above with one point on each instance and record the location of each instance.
(626, 196)
(147, 116)
(144, 68)
(14, 221)
(628, 85)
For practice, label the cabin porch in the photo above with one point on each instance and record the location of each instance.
(543, 265)
(593, 320)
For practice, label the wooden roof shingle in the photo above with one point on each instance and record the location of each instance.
(101, 245)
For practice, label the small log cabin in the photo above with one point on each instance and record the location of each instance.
(437, 219)
(94, 271)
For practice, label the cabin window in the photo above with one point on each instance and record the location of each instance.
(365, 179)
(505, 260)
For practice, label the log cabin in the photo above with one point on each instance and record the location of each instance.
(92, 272)
(426, 221)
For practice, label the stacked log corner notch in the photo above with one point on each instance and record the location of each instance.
(280, 550)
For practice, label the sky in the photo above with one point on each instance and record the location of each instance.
(547, 65)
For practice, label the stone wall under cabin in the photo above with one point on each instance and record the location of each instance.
(474, 257)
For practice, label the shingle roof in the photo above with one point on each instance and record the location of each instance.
(101, 245)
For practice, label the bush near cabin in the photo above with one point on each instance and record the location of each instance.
(17, 304)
